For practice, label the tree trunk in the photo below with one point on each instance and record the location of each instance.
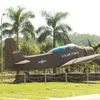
(54, 69)
(17, 40)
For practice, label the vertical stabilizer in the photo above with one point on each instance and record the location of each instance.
(12, 53)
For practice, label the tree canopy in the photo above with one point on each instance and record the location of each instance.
(59, 31)
(19, 23)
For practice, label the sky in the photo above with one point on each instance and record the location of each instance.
(84, 15)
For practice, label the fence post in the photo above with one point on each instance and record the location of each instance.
(87, 75)
(1, 76)
(66, 76)
(45, 78)
(24, 78)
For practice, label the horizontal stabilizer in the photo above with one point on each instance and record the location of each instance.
(82, 59)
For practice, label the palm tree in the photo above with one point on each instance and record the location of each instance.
(19, 23)
(55, 29)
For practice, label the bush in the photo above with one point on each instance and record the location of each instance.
(28, 49)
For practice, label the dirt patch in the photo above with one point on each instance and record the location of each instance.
(86, 97)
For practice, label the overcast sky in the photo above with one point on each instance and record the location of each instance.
(84, 14)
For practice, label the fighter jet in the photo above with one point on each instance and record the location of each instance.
(57, 57)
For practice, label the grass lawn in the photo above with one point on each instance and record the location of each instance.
(41, 91)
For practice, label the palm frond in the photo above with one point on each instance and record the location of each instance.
(8, 32)
(26, 36)
(43, 32)
(62, 38)
(44, 35)
(26, 16)
(18, 13)
(63, 27)
(6, 25)
(28, 28)
(42, 29)
(46, 15)
(61, 33)
(60, 15)
(11, 14)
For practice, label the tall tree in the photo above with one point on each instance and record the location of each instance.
(54, 28)
(19, 23)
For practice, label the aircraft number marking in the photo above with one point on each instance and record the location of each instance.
(70, 54)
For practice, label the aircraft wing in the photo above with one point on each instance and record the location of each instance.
(82, 59)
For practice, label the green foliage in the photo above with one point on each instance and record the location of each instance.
(54, 28)
(35, 49)
(19, 23)
(81, 39)
(28, 49)
(45, 47)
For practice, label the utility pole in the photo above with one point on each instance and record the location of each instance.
(2, 44)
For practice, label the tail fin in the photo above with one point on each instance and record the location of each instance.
(89, 42)
(12, 53)
(94, 47)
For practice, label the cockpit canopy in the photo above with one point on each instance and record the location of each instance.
(64, 48)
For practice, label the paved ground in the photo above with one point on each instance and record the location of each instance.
(86, 97)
